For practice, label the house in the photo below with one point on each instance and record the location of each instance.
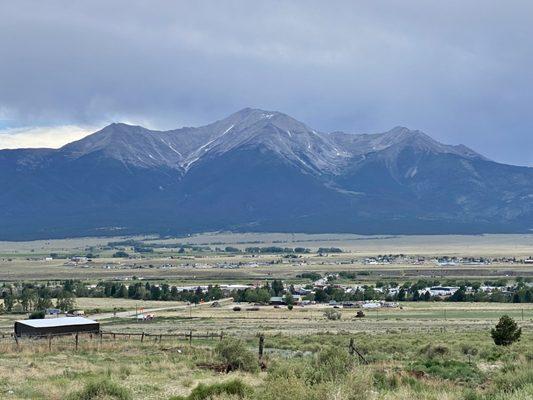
(443, 290)
(78, 259)
(277, 301)
(391, 304)
(297, 299)
(371, 305)
(301, 291)
(55, 326)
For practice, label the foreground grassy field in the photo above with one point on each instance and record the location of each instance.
(415, 352)
(465, 365)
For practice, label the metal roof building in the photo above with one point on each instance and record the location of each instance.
(55, 326)
(277, 301)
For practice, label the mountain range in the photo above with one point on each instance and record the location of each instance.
(258, 171)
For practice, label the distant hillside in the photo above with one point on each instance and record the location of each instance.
(258, 171)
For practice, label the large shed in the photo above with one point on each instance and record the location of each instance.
(55, 326)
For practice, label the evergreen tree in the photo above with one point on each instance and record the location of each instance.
(155, 292)
(140, 292)
(123, 292)
(401, 294)
(9, 302)
(277, 287)
(321, 296)
(506, 331)
(459, 295)
(131, 291)
(174, 294)
(289, 299)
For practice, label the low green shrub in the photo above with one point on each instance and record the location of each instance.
(432, 351)
(385, 381)
(40, 314)
(99, 389)
(330, 364)
(513, 378)
(235, 388)
(234, 353)
(449, 369)
(332, 315)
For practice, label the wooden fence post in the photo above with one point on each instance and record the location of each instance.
(17, 341)
(261, 345)
(190, 338)
(77, 340)
(142, 337)
(353, 350)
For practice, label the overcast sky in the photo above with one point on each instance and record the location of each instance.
(461, 71)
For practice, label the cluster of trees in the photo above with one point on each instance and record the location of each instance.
(27, 297)
(518, 293)
(260, 294)
(313, 276)
(470, 291)
(122, 247)
(324, 250)
(146, 291)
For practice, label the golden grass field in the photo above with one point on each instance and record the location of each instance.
(158, 369)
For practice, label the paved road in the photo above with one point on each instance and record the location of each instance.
(132, 313)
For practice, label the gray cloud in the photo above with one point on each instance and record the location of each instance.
(459, 70)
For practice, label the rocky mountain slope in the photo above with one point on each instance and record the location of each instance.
(258, 171)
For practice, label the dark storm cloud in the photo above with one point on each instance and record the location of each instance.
(459, 70)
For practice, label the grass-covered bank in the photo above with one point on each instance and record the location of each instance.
(439, 365)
